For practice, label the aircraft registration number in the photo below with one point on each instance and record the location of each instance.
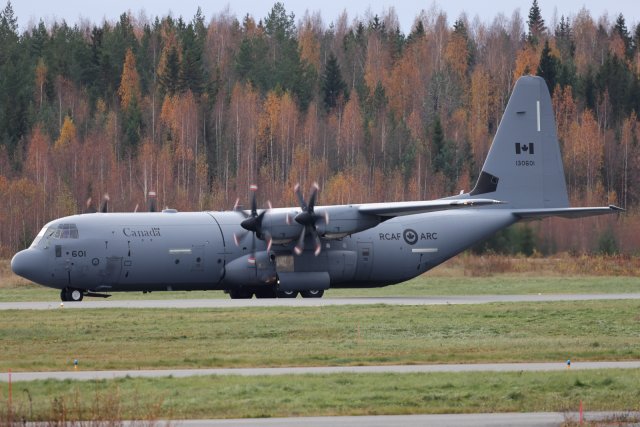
(525, 163)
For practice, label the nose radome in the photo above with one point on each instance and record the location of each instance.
(27, 263)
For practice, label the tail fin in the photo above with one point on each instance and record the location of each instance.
(524, 165)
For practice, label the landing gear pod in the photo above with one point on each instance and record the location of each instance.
(312, 284)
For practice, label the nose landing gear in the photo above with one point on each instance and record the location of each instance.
(70, 294)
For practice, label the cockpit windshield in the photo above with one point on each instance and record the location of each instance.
(57, 231)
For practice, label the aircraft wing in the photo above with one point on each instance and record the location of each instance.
(390, 210)
(566, 212)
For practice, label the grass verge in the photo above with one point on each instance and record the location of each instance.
(319, 336)
(426, 285)
(323, 395)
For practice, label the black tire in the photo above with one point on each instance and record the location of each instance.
(240, 294)
(70, 294)
(287, 294)
(312, 293)
(269, 292)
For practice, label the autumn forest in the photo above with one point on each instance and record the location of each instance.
(199, 108)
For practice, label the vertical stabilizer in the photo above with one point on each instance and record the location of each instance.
(524, 165)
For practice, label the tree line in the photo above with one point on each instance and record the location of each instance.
(198, 110)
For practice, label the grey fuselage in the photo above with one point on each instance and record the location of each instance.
(196, 251)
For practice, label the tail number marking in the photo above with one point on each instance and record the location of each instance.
(525, 163)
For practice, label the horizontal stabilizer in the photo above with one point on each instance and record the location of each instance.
(565, 212)
(390, 210)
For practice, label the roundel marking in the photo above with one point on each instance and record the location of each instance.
(410, 236)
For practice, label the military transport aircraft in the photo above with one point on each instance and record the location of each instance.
(281, 252)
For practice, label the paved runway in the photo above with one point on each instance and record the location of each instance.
(376, 369)
(527, 419)
(313, 302)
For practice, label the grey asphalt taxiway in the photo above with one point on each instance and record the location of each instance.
(526, 419)
(80, 375)
(313, 302)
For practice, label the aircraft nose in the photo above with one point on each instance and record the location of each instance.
(28, 263)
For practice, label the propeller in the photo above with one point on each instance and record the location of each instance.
(252, 223)
(308, 219)
(104, 206)
(153, 201)
(89, 207)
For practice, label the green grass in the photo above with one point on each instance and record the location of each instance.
(426, 285)
(336, 394)
(319, 336)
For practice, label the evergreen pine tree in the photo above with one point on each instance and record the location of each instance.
(416, 33)
(437, 145)
(536, 24)
(334, 89)
(460, 28)
(621, 29)
(564, 39)
(8, 22)
(547, 69)
(191, 74)
(170, 76)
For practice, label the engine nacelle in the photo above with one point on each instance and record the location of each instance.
(343, 221)
(240, 272)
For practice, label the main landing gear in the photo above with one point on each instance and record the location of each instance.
(248, 293)
(70, 294)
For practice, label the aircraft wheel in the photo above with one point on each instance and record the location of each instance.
(75, 295)
(313, 293)
(240, 294)
(69, 294)
(287, 294)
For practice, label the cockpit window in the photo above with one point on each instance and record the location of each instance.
(64, 231)
(39, 236)
(58, 231)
